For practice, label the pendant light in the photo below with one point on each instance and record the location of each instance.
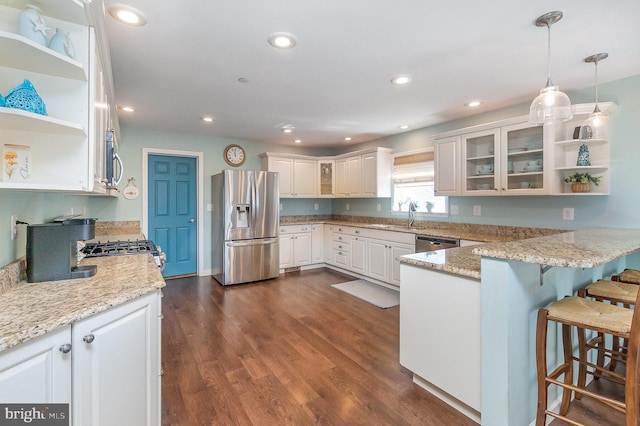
(552, 104)
(597, 125)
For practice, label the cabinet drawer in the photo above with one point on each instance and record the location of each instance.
(350, 230)
(397, 237)
(341, 245)
(295, 229)
(341, 258)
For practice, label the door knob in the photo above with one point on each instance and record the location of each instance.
(88, 338)
(192, 221)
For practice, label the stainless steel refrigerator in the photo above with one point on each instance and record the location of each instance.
(245, 224)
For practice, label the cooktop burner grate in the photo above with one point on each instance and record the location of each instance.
(115, 248)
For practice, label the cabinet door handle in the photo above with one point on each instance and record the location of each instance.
(88, 338)
(66, 348)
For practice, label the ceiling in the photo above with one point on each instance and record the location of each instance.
(335, 83)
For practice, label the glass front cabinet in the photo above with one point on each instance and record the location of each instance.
(507, 160)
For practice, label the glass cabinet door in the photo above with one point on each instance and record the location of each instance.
(523, 160)
(327, 178)
(481, 167)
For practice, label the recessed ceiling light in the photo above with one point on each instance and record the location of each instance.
(347, 139)
(127, 14)
(243, 80)
(401, 79)
(288, 128)
(127, 109)
(403, 127)
(474, 104)
(207, 119)
(282, 40)
(298, 141)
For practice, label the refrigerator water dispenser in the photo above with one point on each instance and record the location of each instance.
(242, 215)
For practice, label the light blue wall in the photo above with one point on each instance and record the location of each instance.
(618, 210)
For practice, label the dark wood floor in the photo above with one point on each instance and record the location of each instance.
(292, 350)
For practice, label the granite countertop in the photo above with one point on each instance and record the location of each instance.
(458, 261)
(585, 248)
(481, 233)
(29, 310)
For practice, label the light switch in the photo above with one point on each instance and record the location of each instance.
(477, 210)
(378, 207)
(346, 206)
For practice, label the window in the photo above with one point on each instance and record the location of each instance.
(413, 182)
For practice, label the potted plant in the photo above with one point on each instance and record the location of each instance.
(581, 182)
(429, 205)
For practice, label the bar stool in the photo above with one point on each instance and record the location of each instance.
(600, 317)
(616, 293)
(631, 276)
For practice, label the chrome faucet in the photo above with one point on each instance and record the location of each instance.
(412, 210)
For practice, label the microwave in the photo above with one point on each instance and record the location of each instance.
(113, 174)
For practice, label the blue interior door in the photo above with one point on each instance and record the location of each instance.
(172, 211)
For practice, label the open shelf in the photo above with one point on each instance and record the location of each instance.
(21, 53)
(17, 119)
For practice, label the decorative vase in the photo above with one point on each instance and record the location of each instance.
(2, 101)
(583, 156)
(581, 187)
(61, 43)
(31, 24)
(26, 97)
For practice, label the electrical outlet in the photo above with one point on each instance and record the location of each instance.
(346, 206)
(455, 209)
(280, 206)
(316, 206)
(567, 213)
(477, 210)
(209, 207)
(378, 207)
(14, 228)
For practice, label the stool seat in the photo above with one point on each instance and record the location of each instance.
(628, 276)
(619, 291)
(592, 314)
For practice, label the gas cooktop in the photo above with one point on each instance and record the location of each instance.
(115, 248)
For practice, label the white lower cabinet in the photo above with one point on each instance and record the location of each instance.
(383, 252)
(317, 243)
(358, 258)
(295, 246)
(107, 367)
(38, 371)
(116, 365)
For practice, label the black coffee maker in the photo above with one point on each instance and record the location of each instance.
(52, 249)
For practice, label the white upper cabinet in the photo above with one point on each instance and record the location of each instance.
(360, 174)
(54, 151)
(298, 177)
(447, 166)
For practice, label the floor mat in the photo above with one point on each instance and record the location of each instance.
(375, 294)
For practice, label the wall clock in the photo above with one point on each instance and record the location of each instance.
(234, 155)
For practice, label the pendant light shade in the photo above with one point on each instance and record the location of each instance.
(597, 125)
(551, 104)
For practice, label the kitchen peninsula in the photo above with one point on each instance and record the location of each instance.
(498, 312)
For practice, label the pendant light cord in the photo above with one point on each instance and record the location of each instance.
(596, 84)
(549, 55)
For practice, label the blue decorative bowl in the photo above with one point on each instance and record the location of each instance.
(25, 97)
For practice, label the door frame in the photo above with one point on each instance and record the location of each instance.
(199, 156)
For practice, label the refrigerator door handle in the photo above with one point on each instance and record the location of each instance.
(263, 241)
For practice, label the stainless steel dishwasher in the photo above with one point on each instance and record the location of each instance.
(428, 243)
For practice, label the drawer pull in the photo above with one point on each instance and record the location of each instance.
(66, 348)
(88, 338)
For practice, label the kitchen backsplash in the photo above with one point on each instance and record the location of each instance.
(123, 227)
(12, 274)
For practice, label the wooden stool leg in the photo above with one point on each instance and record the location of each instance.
(541, 363)
(568, 374)
(582, 356)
